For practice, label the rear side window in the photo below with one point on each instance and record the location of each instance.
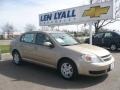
(28, 38)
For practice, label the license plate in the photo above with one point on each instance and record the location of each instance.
(112, 66)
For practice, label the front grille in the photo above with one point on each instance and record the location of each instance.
(106, 58)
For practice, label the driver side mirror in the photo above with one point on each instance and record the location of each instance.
(48, 44)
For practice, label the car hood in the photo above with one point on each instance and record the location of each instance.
(87, 48)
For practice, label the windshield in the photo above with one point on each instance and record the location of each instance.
(118, 33)
(64, 39)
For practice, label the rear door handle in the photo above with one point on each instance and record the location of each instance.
(35, 47)
(102, 40)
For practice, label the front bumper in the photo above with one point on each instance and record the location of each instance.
(96, 69)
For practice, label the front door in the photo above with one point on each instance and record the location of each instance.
(98, 39)
(107, 39)
(43, 53)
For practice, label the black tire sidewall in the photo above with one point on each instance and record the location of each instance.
(112, 45)
(75, 72)
(18, 57)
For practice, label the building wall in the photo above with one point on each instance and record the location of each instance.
(11, 35)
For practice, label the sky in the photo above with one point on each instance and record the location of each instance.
(22, 12)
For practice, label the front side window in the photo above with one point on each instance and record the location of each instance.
(108, 35)
(28, 38)
(64, 39)
(41, 39)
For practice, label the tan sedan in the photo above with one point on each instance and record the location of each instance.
(61, 51)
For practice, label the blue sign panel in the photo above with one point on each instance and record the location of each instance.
(58, 15)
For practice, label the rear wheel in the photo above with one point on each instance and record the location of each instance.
(113, 47)
(16, 58)
(67, 69)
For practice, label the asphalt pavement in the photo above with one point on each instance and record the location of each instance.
(36, 77)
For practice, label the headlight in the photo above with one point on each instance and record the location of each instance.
(91, 58)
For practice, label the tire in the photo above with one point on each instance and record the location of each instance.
(67, 69)
(16, 58)
(113, 47)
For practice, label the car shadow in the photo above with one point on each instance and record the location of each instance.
(116, 51)
(45, 76)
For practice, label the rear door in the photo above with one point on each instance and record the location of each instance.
(26, 46)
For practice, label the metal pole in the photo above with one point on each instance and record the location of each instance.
(58, 28)
(91, 1)
(90, 28)
(77, 28)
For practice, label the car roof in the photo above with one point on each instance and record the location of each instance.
(108, 32)
(45, 32)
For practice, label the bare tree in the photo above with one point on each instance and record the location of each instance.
(8, 29)
(101, 23)
(29, 27)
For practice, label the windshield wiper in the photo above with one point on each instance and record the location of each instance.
(66, 45)
(71, 44)
(76, 44)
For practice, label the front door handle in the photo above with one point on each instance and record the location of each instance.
(21, 45)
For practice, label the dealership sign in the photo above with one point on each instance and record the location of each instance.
(81, 14)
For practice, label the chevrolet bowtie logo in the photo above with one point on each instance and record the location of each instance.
(96, 11)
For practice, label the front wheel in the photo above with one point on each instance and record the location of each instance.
(16, 58)
(113, 47)
(68, 69)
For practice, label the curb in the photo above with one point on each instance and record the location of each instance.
(5, 56)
